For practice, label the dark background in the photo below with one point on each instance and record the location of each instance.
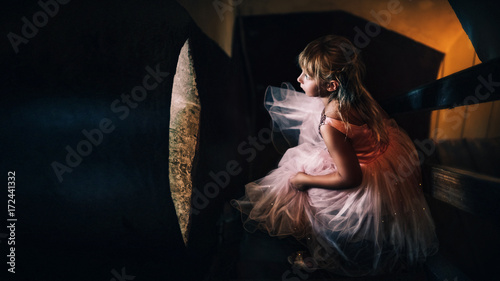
(114, 210)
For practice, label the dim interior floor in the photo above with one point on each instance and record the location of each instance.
(246, 256)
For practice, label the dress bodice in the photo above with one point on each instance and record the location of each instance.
(365, 145)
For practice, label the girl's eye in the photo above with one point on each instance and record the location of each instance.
(306, 76)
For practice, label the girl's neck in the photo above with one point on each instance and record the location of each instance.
(325, 100)
(331, 107)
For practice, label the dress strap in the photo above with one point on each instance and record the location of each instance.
(337, 124)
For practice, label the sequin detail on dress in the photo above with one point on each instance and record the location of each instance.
(321, 122)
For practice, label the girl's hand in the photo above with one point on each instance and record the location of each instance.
(298, 181)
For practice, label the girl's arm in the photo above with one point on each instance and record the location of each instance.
(348, 173)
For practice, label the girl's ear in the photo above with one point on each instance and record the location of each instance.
(332, 86)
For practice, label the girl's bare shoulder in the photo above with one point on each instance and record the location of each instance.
(332, 110)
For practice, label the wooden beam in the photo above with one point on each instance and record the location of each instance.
(472, 192)
(477, 84)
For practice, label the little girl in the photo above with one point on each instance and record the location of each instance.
(351, 188)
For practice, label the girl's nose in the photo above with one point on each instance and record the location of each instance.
(300, 77)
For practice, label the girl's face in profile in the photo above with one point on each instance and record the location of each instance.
(308, 84)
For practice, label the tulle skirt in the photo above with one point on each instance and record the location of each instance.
(380, 226)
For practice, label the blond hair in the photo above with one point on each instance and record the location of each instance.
(334, 57)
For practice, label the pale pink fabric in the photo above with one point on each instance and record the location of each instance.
(380, 226)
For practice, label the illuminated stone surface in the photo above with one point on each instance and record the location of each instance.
(183, 136)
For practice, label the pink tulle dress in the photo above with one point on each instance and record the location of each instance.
(380, 226)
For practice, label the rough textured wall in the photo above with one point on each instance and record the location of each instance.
(184, 135)
(105, 68)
